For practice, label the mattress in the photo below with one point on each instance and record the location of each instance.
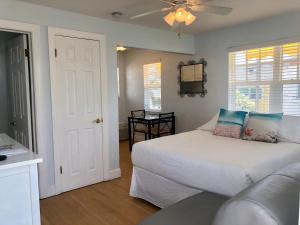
(201, 160)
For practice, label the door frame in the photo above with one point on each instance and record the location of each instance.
(39, 127)
(33, 32)
(52, 33)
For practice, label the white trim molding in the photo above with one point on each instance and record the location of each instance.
(52, 33)
(113, 174)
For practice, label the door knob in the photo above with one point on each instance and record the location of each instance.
(98, 120)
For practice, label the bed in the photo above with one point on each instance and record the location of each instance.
(169, 169)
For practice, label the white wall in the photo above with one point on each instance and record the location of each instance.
(116, 33)
(186, 114)
(214, 46)
(123, 112)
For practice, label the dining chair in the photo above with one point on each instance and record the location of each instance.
(138, 113)
(166, 125)
(137, 125)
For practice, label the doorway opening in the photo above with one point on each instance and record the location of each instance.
(149, 91)
(16, 89)
(139, 90)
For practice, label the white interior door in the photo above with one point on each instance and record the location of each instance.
(77, 111)
(20, 122)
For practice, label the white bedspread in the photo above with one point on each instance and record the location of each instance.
(198, 159)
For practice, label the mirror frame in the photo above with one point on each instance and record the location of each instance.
(199, 84)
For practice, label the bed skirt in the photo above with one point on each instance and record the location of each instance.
(158, 190)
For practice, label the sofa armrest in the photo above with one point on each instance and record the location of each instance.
(199, 209)
(272, 201)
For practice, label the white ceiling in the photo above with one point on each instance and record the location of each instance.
(243, 11)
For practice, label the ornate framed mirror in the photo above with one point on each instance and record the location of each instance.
(192, 78)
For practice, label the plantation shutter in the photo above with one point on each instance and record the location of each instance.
(152, 87)
(265, 79)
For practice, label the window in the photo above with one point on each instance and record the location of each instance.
(265, 79)
(152, 86)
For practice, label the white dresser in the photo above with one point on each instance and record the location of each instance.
(19, 192)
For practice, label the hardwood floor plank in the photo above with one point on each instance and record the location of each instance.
(106, 203)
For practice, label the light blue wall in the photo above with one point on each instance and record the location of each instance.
(116, 33)
(214, 47)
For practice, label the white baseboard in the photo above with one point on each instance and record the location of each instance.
(47, 191)
(113, 174)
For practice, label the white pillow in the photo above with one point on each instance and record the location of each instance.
(210, 125)
(289, 130)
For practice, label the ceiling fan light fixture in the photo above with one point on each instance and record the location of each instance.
(121, 48)
(190, 18)
(170, 18)
(181, 15)
(180, 12)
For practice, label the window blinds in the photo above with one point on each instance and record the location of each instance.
(266, 79)
(152, 87)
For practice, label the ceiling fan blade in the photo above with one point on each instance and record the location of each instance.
(150, 13)
(197, 2)
(219, 10)
(168, 2)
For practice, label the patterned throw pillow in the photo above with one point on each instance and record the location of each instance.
(263, 127)
(230, 123)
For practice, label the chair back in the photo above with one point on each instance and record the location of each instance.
(135, 120)
(166, 123)
(138, 113)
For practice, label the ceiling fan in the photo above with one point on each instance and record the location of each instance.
(180, 11)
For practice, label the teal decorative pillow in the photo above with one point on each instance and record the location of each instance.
(263, 127)
(230, 123)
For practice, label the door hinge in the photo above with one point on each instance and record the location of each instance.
(55, 52)
(26, 52)
(60, 170)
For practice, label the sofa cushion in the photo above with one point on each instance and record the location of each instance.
(272, 201)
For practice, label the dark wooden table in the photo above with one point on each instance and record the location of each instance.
(149, 120)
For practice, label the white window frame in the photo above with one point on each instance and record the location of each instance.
(148, 108)
(257, 46)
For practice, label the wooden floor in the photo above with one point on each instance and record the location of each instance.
(106, 203)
